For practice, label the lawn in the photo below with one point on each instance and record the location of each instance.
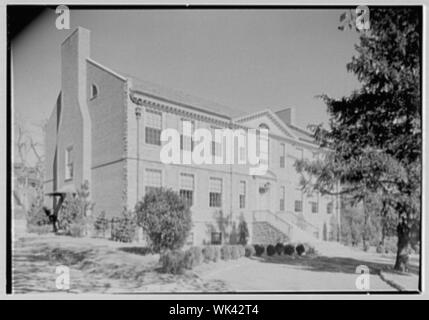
(96, 266)
(103, 266)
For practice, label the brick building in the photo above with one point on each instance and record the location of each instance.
(105, 128)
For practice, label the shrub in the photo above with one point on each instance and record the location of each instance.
(124, 229)
(197, 253)
(235, 252)
(309, 250)
(193, 257)
(217, 254)
(77, 229)
(173, 261)
(243, 232)
(289, 249)
(259, 250)
(249, 251)
(271, 250)
(165, 219)
(300, 249)
(43, 229)
(37, 220)
(279, 248)
(209, 253)
(101, 224)
(242, 251)
(225, 252)
(74, 211)
(366, 246)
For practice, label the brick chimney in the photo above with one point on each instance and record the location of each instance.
(75, 124)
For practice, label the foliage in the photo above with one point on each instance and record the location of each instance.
(193, 257)
(243, 232)
(124, 229)
(300, 249)
(236, 251)
(173, 261)
(36, 216)
(289, 249)
(279, 248)
(249, 251)
(101, 224)
(309, 250)
(225, 252)
(375, 133)
(271, 250)
(165, 219)
(74, 211)
(209, 253)
(259, 250)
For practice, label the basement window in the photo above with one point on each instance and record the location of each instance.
(94, 91)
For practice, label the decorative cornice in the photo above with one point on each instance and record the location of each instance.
(149, 103)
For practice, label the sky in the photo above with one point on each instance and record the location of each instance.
(245, 59)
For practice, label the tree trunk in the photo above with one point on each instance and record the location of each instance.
(403, 232)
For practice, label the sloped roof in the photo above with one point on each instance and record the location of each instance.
(182, 98)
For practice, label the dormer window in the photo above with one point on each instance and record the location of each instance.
(94, 91)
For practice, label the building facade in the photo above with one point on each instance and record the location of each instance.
(105, 128)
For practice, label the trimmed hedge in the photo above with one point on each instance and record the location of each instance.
(279, 248)
(289, 249)
(249, 251)
(300, 249)
(259, 250)
(271, 250)
(225, 252)
(174, 261)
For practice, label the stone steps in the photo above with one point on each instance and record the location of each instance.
(265, 233)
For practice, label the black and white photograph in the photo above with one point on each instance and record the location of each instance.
(215, 149)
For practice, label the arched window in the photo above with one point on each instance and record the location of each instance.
(94, 91)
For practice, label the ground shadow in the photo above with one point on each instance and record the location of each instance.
(137, 250)
(332, 264)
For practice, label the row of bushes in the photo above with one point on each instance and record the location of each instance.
(176, 261)
(280, 248)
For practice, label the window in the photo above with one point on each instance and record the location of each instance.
(298, 206)
(314, 206)
(282, 198)
(300, 153)
(216, 238)
(186, 142)
(94, 91)
(329, 207)
(242, 194)
(153, 127)
(187, 188)
(69, 163)
(153, 179)
(264, 154)
(190, 239)
(215, 192)
(282, 155)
